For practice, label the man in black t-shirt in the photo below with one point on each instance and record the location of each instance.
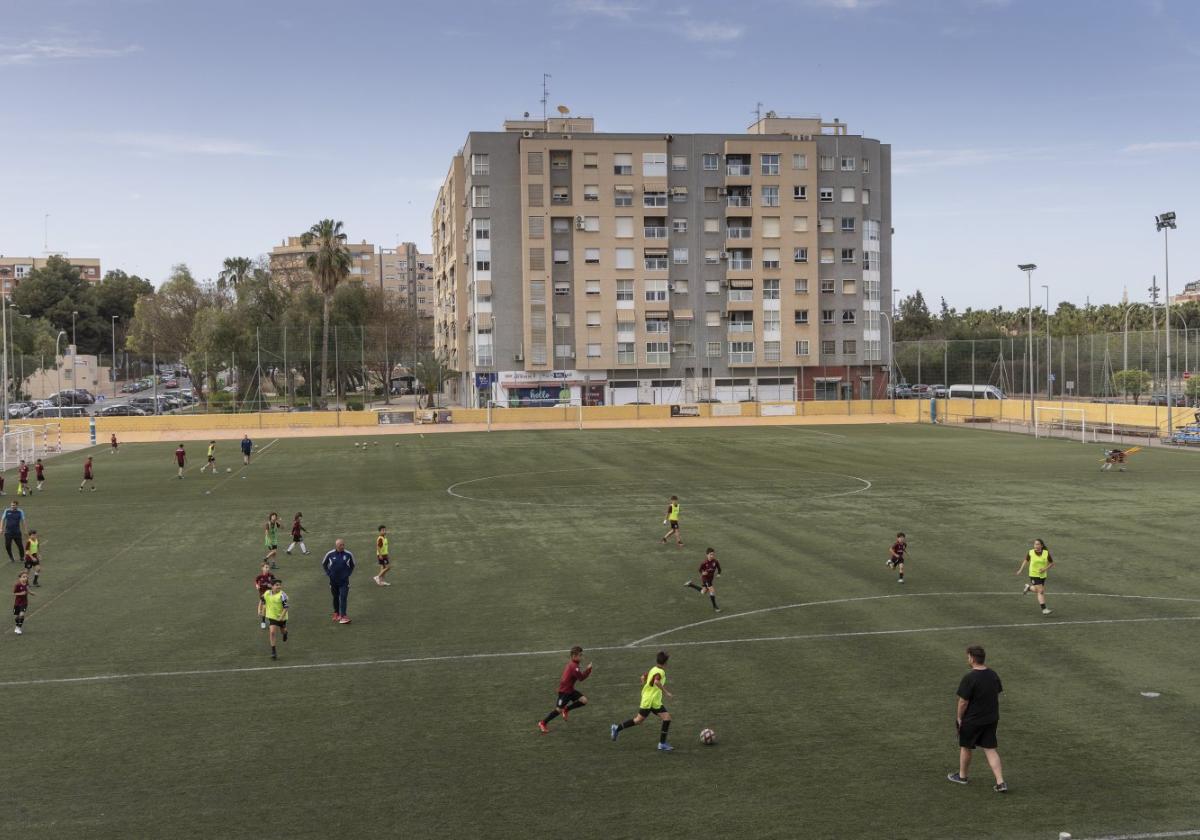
(978, 715)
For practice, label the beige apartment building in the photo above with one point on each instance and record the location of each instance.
(408, 273)
(288, 262)
(15, 269)
(666, 268)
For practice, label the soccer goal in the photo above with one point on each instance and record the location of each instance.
(18, 445)
(51, 439)
(571, 411)
(1059, 421)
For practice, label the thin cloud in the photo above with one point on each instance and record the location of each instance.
(927, 160)
(679, 19)
(615, 9)
(846, 5)
(1160, 146)
(46, 50)
(711, 33)
(184, 144)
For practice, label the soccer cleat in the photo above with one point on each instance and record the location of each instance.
(1025, 591)
(1001, 788)
(716, 609)
(336, 616)
(545, 730)
(665, 747)
(383, 582)
(287, 551)
(614, 729)
(957, 779)
(899, 580)
(273, 656)
(563, 712)
(285, 634)
(344, 620)
(1046, 611)
(378, 582)
(688, 585)
(263, 625)
(19, 631)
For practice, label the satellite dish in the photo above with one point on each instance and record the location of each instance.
(564, 110)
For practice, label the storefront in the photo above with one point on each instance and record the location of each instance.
(536, 388)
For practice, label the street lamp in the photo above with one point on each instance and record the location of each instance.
(1165, 222)
(1049, 367)
(61, 334)
(891, 357)
(1029, 268)
(112, 370)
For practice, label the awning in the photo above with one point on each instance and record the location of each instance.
(656, 252)
(679, 190)
(483, 321)
(657, 313)
(483, 288)
(626, 315)
(683, 314)
(623, 188)
(741, 284)
(654, 186)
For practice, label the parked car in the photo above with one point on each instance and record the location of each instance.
(1159, 399)
(707, 400)
(20, 409)
(170, 383)
(921, 390)
(57, 412)
(84, 396)
(901, 392)
(120, 411)
(976, 392)
(940, 392)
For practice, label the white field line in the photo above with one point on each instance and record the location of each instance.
(461, 657)
(1154, 835)
(643, 640)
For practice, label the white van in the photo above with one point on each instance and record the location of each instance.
(976, 392)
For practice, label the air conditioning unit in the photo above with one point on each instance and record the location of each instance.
(518, 357)
(724, 255)
(579, 223)
(566, 137)
(722, 191)
(725, 313)
(570, 355)
(527, 133)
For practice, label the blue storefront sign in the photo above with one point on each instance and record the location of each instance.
(484, 381)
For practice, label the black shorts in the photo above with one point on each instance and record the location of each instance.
(383, 560)
(1037, 581)
(566, 698)
(660, 711)
(19, 608)
(275, 622)
(273, 547)
(212, 458)
(674, 523)
(30, 562)
(972, 735)
(706, 583)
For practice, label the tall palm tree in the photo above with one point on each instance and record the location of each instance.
(330, 264)
(235, 270)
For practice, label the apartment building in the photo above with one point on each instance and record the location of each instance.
(408, 273)
(15, 269)
(616, 268)
(288, 262)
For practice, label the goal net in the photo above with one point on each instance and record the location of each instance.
(18, 445)
(1059, 421)
(570, 411)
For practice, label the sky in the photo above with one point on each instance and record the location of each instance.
(154, 132)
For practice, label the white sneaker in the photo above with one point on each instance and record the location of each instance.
(384, 583)
(378, 582)
(17, 630)
(263, 625)
(1025, 591)
(1047, 612)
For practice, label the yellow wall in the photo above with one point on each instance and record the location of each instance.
(1095, 414)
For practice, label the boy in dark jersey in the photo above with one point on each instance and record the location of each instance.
(23, 479)
(113, 445)
(262, 585)
(298, 536)
(39, 471)
(709, 569)
(896, 555)
(88, 475)
(181, 459)
(569, 698)
(21, 595)
(33, 557)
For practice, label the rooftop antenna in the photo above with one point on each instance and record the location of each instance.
(546, 77)
(758, 106)
(46, 234)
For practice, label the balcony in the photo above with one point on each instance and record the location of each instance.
(740, 232)
(741, 326)
(741, 264)
(654, 232)
(737, 169)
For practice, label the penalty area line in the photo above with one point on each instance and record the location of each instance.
(1153, 835)
(519, 654)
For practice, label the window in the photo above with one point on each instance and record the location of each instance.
(479, 165)
(770, 290)
(563, 351)
(624, 258)
(625, 290)
(537, 294)
(591, 224)
(481, 196)
(847, 224)
(593, 351)
(711, 194)
(483, 229)
(712, 349)
(654, 164)
(866, 166)
(712, 256)
(623, 197)
(712, 225)
(591, 192)
(870, 260)
(658, 325)
(561, 256)
(769, 164)
(535, 163)
(679, 225)
(560, 225)
(624, 352)
(800, 192)
(799, 224)
(826, 224)
(827, 316)
(848, 163)
(770, 196)
(741, 295)
(537, 259)
(799, 161)
(770, 258)
(741, 352)
(562, 288)
(849, 316)
(656, 291)
(802, 348)
(866, 196)
(560, 195)
(849, 347)
(592, 287)
(738, 229)
(712, 318)
(591, 256)
(871, 230)
(654, 198)
(591, 160)
(847, 255)
(679, 195)
(827, 287)
(483, 260)
(679, 256)
(658, 352)
(712, 287)
(800, 317)
(593, 319)
(826, 256)
(770, 227)
(655, 260)
(825, 163)
(848, 287)
(711, 163)
(800, 255)
(624, 227)
(679, 163)
(848, 195)
(535, 195)
(828, 347)
(801, 286)
(562, 320)
(680, 287)
(771, 351)
(622, 164)
(826, 194)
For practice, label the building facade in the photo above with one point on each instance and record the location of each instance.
(15, 269)
(408, 273)
(288, 262)
(664, 268)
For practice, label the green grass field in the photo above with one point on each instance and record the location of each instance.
(141, 702)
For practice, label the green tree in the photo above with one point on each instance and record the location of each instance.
(117, 294)
(234, 272)
(914, 320)
(1191, 389)
(330, 265)
(57, 293)
(1132, 383)
(433, 371)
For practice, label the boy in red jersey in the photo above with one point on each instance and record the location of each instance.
(39, 471)
(262, 585)
(180, 459)
(21, 595)
(112, 442)
(297, 535)
(23, 479)
(896, 555)
(87, 475)
(709, 569)
(569, 699)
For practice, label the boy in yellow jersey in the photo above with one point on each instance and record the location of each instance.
(275, 608)
(212, 458)
(381, 555)
(654, 685)
(672, 521)
(33, 559)
(1040, 562)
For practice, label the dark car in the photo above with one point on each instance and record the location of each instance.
(707, 400)
(1160, 399)
(121, 411)
(171, 383)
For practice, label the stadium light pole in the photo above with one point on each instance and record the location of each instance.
(1166, 222)
(1029, 268)
(61, 335)
(4, 363)
(1049, 367)
(891, 357)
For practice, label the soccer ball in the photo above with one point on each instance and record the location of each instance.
(708, 737)
(229, 469)
(356, 444)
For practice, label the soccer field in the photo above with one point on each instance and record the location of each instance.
(142, 702)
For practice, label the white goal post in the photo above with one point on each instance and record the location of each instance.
(1067, 422)
(570, 411)
(17, 445)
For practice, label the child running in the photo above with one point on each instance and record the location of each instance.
(276, 606)
(709, 568)
(271, 538)
(39, 471)
(180, 459)
(381, 555)
(23, 479)
(88, 475)
(21, 595)
(654, 684)
(672, 522)
(1040, 563)
(569, 698)
(112, 444)
(896, 555)
(33, 559)
(212, 458)
(262, 585)
(298, 535)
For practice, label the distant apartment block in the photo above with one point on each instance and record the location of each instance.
(289, 262)
(15, 269)
(618, 268)
(409, 274)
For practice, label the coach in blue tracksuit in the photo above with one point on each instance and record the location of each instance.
(14, 527)
(339, 565)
